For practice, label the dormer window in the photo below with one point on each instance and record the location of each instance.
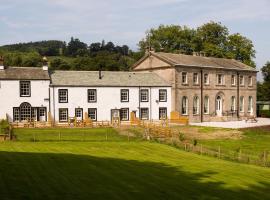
(25, 88)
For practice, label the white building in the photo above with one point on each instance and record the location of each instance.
(31, 93)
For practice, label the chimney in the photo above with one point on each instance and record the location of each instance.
(45, 63)
(2, 63)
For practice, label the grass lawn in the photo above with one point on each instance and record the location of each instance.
(118, 169)
(253, 141)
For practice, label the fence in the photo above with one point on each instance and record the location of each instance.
(163, 133)
(75, 134)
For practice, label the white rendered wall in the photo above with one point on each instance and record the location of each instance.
(10, 96)
(109, 98)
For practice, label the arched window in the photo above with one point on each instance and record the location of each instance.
(25, 111)
(206, 105)
(196, 105)
(241, 106)
(233, 103)
(250, 102)
(184, 105)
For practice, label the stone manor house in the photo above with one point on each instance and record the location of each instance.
(195, 87)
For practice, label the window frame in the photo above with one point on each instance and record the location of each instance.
(147, 113)
(250, 104)
(88, 93)
(124, 90)
(162, 90)
(233, 103)
(208, 104)
(60, 90)
(207, 82)
(28, 95)
(250, 81)
(242, 105)
(60, 109)
(186, 78)
(197, 105)
(166, 113)
(233, 80)
(196, 82)
(222, 79)
(243, 83)
(144, 90)
(186, 106)
(121, 118)
(76, 112)
(95, 113)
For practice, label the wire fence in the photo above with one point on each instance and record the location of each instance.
(56, 134)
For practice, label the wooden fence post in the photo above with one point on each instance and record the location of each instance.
(239, 156)
(219, 156)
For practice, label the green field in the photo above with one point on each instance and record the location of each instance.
(254, 141)
(116, 168)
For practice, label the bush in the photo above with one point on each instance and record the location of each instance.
(265, 113)
(181, 136)
(4, 126)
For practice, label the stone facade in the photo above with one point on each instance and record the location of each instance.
(225, 99)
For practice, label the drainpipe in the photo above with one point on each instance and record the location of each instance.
(237, 82)
(201, 95)
(53, 106)
(139, 112)
(150, 103)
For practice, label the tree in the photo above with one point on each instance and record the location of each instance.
(75, 47)
(263, 89)
(211, 38)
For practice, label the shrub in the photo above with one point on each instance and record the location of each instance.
(181, 136)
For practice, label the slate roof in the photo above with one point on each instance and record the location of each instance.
(24, 73)
(198, 61)
(109, 78)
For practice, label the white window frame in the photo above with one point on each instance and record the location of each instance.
(206, 105)
(162, 95)
(206, 80)
(92, 95)
(162, 113)
(233, 103)
(184, 78)
(145, 112)
(242, 104)
(250, 81)
(124, 114)
(233, 80)
(196, 105)
(62, 114)
(250, 104)
(221, 78)
(184, 106)
(241, 80)
(92, 114)
(124, 96)
(63, 96)
(25, 89)
(144, 95)
(195, 78)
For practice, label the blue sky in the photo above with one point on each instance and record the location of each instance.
(126, 21)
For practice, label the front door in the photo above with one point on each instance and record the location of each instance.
(42, 114)
(219, 106)
(115, 115)
(79, 114)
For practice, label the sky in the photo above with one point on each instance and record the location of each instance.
(126, 21)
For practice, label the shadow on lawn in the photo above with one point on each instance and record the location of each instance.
(69, 176)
